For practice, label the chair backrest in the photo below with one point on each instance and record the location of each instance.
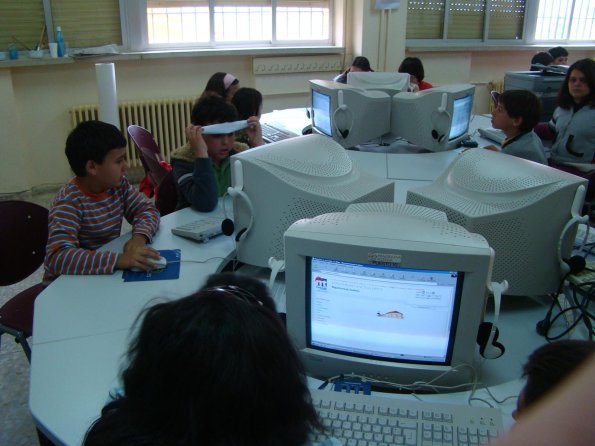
(143, 139)
(23, 237)
(166, 195)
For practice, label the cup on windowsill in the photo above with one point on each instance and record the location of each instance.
(53, 49)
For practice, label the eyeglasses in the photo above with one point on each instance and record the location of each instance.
(236, 292)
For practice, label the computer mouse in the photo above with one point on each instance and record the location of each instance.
(159, 264)
(307, 130)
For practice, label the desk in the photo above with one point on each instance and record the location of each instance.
(82, 328)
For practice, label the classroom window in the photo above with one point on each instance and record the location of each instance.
(176, 23)
(493, 21)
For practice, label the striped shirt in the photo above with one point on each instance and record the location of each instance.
(80, 222)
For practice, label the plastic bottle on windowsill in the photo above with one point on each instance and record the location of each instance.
(60, 41)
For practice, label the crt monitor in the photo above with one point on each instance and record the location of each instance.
(279, 183)
(393, 305)
(347, 114)
(523, 209)
(436, 119)
(388, 81)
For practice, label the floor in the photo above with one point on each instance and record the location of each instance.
(16, 424)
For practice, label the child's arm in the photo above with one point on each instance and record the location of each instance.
(143, 215)
(196, 180)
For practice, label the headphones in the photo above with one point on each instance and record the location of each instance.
(227, 225)
(487, 333)
(441, 120)
(341, 107)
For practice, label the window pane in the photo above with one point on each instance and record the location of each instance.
(553, 19)
(302, 23)
(23, 20)
(425, 19)
(583, 20)
(506, 19)
(178, 22)
(88, 23)
(465, 19)
(234, 24)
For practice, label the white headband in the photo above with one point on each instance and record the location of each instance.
(228, 80)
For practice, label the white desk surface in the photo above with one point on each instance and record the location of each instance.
(82, 323)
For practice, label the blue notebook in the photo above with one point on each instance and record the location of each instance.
(170, 272)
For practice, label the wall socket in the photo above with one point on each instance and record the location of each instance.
(298, 64)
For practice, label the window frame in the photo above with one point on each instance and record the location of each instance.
(133, 18)
(532, 26)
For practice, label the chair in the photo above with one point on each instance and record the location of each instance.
(23, 237)
(143, 138)
(162, 177)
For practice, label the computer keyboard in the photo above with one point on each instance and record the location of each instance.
(200, 230)
(495, 135)
(273, 134)
(367, 420)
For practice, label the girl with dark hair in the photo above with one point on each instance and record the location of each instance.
(573, 121)
(214, 368)
(360, 63)
(223, 84)
(415, 69)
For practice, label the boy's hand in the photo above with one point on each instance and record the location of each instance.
(492, 148)
(197, 142)
(254, 132)
(137, 254)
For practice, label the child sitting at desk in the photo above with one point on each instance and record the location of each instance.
(516, 115)
(87, 212)
(214, 368)
(202, 166)
(574, 118)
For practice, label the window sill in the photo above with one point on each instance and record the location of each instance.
(173, 54)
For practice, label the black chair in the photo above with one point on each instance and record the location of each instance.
(23, 237)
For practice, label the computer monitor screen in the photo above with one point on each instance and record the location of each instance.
(522, 209)
(460, 116)
(347, 114)
(321, 112)
(436, 119)
(392, 313)
(402, 306)
(279, 183)
(390, 82)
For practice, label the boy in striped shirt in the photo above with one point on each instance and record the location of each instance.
(87, 212)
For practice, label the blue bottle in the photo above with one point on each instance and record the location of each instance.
(60, 41)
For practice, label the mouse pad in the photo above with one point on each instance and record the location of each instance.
(171, 271)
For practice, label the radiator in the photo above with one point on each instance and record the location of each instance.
(166, 119)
